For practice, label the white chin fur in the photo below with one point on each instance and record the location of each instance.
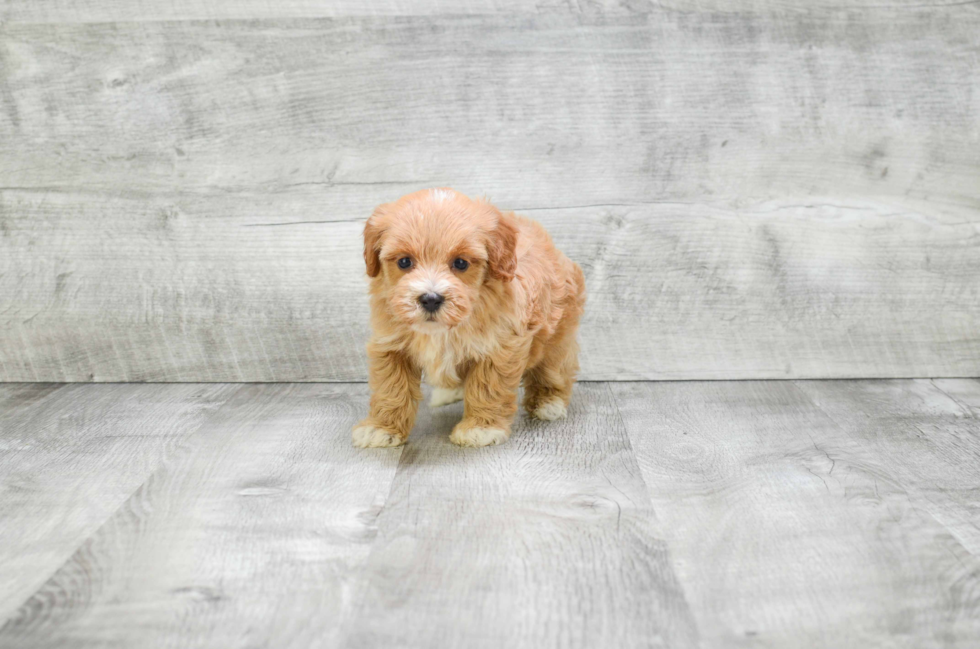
(445, 396)
(430, 327)
(374, 437)
(477, 437)
(550, 410)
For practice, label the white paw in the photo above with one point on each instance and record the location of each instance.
(445, 396)
(477, 437)
(550, 410)
(368, 436)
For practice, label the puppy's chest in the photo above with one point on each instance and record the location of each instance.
(441, 358)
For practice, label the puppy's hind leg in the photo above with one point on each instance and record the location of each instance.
(548, 386)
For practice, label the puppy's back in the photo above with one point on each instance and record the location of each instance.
(556, 283)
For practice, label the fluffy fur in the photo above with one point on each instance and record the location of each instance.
(511, 315)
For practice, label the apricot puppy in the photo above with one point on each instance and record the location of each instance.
(474, 299)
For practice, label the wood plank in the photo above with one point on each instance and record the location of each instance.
(676, 291)
(546, 541)
(96, 11)
(248, 536)
(930, 438)
(99, 11)
(788, 529)
(804, 6)
(535, 111)
(70, 456)
(754, 195)
(197, 292)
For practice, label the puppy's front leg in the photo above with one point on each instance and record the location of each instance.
(395, 395)
(490, 400)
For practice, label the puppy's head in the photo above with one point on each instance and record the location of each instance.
(431, 253)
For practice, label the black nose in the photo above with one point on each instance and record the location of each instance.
(431, 302)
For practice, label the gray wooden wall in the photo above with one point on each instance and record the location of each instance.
(754, 189)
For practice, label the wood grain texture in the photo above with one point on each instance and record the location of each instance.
(965, 392)
(203, 290)
(759, 193)
(94, 11)
(931, 435)
(546, 541)
(795, 523)
(248, 535)
(722, 514)
(259, 533)
(69, 457)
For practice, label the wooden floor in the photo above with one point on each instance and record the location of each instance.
(713, 514)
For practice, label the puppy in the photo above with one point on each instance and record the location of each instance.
(477, 301)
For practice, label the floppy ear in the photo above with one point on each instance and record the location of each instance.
(372, 243)
(502, 249)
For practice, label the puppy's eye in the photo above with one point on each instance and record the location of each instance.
(460, 264)
(405, 263)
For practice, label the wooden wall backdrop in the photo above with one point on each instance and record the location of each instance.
(754, 189)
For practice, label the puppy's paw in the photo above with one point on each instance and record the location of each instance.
(465, 434)
(550, 410)
(371, 436)
(445, 396)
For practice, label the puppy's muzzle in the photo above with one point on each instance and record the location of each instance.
(431, 301)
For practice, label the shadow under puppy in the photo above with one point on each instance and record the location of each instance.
(477, 300)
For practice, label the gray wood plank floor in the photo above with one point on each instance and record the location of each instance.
(720, 514)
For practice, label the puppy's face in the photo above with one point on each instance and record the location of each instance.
(431, 253)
